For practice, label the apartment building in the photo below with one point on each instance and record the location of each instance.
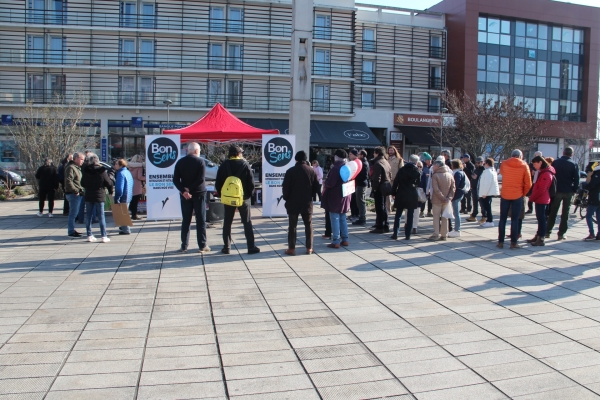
(145, 65)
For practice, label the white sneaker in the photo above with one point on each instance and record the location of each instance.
(92, 239)
(50, 215)
(454, 234)
(105, 239)
(39, 214)
(487, 225)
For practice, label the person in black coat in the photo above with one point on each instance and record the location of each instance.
(299, 185)
(237, 166)
(47, 176)
(468, 169)
(95, 180)
(404, 191)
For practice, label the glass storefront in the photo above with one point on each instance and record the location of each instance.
(541, 64)
(125, 141)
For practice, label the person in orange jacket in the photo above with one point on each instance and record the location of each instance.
(516, 182)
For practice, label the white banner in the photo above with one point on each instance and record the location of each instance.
(162, 197)
(278, 156)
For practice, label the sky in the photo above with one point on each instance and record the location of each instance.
(423, 4)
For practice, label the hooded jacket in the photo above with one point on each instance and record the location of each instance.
(405, 187)
(488, 183)
(123, 186)
(460, 179)
(516, 179)
(442, 186)
(541, 189)
(299, 185)
(48, 177)
(332, 199)
(94, 181)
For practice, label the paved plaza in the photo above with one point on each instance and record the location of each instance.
(133, 318)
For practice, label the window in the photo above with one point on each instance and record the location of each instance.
(36, 10)
(127, 89)
(148, 19)
(57, 85)
(146, 90)
(128, 14)
(146, 53)
(434, 104)
(234, 57)
(236, 20)
(435, 78)
(42, 11)
(435, 47)
(214, 91)
(321, 97)
(217, 19)
(369, 43)
(127, 53)
(215, 56)
(367, 100)
(56, 51)
(234, 94)
(323, 27)
(35, 49)
(322, 62)
(35, 87)
(368, 71)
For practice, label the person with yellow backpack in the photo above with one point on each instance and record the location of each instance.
(235, 185)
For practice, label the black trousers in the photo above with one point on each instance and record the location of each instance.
(245, 216)
(46, 195)
(380, 210)
(65, 202)
(327, 224)
(293, 230)
(475, 199)
(353, 206)
(197, 204)
(133, 206)
(317, 194)
(466, 202)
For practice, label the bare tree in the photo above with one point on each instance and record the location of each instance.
(577, 138)
(50, 130)
(493, 128)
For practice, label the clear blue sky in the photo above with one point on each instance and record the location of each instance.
(423, 4)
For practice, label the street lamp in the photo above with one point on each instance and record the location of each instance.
(442, 111)
(168, 103)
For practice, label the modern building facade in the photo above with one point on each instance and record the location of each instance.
(168, 62)
(544, 52)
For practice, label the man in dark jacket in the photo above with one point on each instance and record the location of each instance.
(362, 182)
(188, 178)
(61, 180)
(381, 176)
(593, 208)
(474, 180)
(404, 191)
(94, 181)
(468, 169)
(299, 185)
(567, 183)
(47, 176)
(237, 166)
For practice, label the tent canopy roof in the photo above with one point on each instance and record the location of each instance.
(219, 125)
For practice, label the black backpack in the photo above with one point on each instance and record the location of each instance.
(553, 187)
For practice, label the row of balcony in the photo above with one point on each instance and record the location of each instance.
(184, 100)
(370, 46)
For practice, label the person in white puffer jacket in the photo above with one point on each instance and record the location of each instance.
(488, 187)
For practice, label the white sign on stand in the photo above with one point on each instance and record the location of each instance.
(278, 156)
(162, 197)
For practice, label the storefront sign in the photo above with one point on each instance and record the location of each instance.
(162, 152)
(354, 134)
(416, 120)
(547, 139)
(278, 157)
(7, 120)
(396, 136)
(137, 122)
(104, 149)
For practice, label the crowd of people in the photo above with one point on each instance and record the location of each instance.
(445, 187)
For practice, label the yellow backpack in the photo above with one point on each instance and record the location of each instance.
(232, 193)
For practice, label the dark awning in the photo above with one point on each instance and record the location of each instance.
(342, 134)
(419, 135)
(283, 125)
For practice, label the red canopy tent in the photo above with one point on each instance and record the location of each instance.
(219, 125)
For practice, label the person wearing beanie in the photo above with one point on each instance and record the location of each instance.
(381, 182)
(299, 185)
(426, 156)
(335, 203)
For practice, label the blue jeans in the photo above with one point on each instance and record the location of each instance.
(540, 215)
(339, 227)
(409, 222)
(98, 210)
(591, 210)
(81, 215)
(74, 201)
(125, 229)
(517, 205)
(455, 209)
(196, 204)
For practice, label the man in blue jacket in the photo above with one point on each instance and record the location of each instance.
(567, 183)
(123, 189)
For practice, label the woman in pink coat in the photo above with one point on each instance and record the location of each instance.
(136, 167)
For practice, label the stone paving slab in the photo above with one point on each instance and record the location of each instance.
(135, 319)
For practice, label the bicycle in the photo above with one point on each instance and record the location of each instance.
(581, 202)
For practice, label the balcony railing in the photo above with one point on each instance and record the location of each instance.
(327, 69)
(369, 45)
(368, 77)
(331, 106)
(336, 34)
(435, 83)
(189, 21)
(436, 52)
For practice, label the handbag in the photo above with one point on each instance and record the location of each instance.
(448, 212)
(385, 188)
(422, 196)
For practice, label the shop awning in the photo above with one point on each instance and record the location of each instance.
(419, 135)
(342, 134)
(282, 125)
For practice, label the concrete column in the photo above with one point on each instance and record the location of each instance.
(301, 68)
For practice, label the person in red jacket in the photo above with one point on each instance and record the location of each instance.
(540, 195)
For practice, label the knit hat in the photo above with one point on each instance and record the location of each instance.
(466, 156)
(426, 156)
(479, 159)
(354, 151)
(440, 158)
(341, 153)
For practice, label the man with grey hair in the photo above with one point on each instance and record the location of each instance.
(516, 182)
(73, 191)
(188, 178)
(404, 192)
(567, 183)
(446, 155)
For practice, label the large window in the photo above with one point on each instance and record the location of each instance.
(215, 56)
(234, 57)
(435, 47)
(235, 23)
(368, 100)
(35, 49)
(322, 62)
(146, 53)
(217, 19)
(321, 97)
(368, 71)
(540, 63)
(35, 87)
(369, 43)
(234, 94)
(435, 77)
(127, 53)
(130, 10)
(46, 12)
(215, 91)
(127, 89)
(322, 27)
